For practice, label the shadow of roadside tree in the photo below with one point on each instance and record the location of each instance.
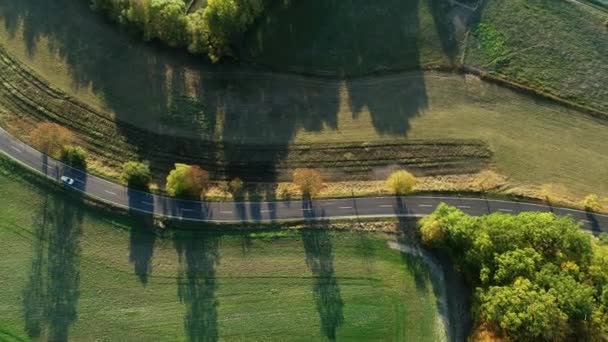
(198, 257)
(51, 295)
(328, 300)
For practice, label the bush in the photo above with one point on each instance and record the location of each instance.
(187, 180)
(309, 181)
(136, 175)
(400, 182)
(236, 187)
(74, 156)
(50, 138)
(592, 203)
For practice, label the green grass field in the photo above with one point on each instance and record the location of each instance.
(68, 272)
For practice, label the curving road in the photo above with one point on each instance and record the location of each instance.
(406, 206)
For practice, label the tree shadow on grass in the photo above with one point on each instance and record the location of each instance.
(142, 234)
(50, 298)
(326, 292)
(198, 257)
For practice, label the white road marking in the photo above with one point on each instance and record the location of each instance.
(225, 212)
(506, 210)
(386, 206)
(185, 209)
(265, 211)
(110, 192)
(306, 209)
(346, 207)
(147, 203)
(425, 205)
(16, 149)
(586, 221)
(464, 207)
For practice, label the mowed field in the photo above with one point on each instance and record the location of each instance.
(286, 120)
(68, 272)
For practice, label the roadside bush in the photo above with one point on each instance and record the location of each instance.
(74, 156)
(187, 180)
(309, 181)
(592, 203)
(401, 182)
(137, 175)
(536, 276)
(50, 138)
(236, 187)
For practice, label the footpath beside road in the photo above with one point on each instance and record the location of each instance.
(232, 212)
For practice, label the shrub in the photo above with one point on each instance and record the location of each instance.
(400, 182)
(592, 203)
(309, 181)
(50, 138)
(236, 187)
(74, 156)
(136, 175)
(187, 180)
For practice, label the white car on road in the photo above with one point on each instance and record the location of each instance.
(67, 180)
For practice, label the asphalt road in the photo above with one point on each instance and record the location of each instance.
(406, 206)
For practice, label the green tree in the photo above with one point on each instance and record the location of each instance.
(236, 187)
(524, 311)
(187, 180)
(168, 21)
(592, 203)
(401, 182)
(136, 175)
(516, 263)
(74, 156)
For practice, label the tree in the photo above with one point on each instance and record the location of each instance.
(516, 263)
(524, 311)
(74, 156)
(50, 138)
(309, 181)
(236, 187)
(401, 182)
(136, 175)
(168, 21)
(223, 20)
(187, 180)
(592, 203)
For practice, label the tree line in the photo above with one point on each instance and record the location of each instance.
(210, 30)
(537, 276)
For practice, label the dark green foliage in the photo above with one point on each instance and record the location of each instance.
(74, 156)
(537, 276)
(136, 175)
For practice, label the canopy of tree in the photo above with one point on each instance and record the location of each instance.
(537, 276)
(74, 156)
(210, 29)
(136, 174)
(401, 182)
(51, 138)
(309, 181)
(187, 181)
